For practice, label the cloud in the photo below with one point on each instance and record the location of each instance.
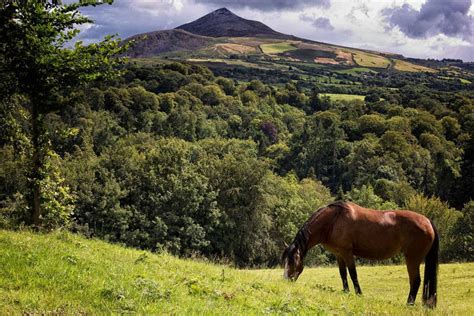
(130, 17)
(448, 17)
(356, 23)
(268, 5)
(319, 23)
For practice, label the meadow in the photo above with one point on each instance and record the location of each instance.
(406, 66)
(343, 97)
(63, 273)
(276, 48)
(364, 59)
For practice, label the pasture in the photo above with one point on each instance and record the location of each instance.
(64, 273)
(356, 70)
(276, 48)
(409, 67)
(343, 97)
(364, 59)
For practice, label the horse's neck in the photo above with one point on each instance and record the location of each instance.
(317, 229)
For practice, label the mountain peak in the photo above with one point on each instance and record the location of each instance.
(223, 11)
(224, 23)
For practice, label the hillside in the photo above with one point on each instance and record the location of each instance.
(155, 43)
(64, 273)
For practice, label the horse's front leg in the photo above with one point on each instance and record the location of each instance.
(343, 273)
(350, 262)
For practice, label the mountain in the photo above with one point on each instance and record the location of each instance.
(222, 37)
(224, 23)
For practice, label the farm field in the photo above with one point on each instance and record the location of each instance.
(406, 66)
(364, 59)
(64, 273)
(276, 48)
(356, 70)
(343, 97)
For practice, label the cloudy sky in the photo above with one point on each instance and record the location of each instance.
(414, 28)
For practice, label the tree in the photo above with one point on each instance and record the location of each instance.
(37, 63)
(444, 217)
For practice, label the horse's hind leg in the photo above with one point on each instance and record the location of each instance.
(349, 259)
(413, 267)
(343, 273)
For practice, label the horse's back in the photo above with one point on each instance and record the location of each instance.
(375, 234)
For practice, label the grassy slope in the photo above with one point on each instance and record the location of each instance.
(364, 59)
(61, 272)
(406, 66)
(277, 48)
(343, 97)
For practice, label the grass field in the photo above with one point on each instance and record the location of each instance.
(343, 97)
(65, 274)
(356, 70)
(364, 59)
(276, 48)
(406, 66)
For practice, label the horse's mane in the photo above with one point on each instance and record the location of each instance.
(301, 238)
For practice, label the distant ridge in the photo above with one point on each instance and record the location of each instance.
(154, 43)
(224, 23)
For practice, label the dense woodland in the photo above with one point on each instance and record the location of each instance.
(173, 157)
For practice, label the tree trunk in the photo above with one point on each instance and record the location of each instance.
(37, 162)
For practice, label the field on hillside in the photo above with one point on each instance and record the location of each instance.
(276, 48)
(370, 60)
(63, 273)
(406, 66)
(343, 97)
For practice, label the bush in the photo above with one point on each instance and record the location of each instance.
(443, 216)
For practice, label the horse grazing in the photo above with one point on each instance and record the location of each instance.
(347, 230)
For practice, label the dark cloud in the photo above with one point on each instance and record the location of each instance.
(319, 23)
(448, 17)
(267, 5)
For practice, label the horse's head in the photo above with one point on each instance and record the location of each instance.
(292, 261)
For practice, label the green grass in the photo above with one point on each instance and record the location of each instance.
(364, 59)
(63, 273)
(356, 70)
(409, 67)
(344, 97)
(462, 80)
(276, 48)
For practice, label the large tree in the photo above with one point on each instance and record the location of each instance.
(37, 62)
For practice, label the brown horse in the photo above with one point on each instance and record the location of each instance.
(347, 230)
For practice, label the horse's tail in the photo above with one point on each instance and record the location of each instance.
(430, 281)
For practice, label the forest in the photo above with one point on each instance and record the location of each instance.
(217, 163)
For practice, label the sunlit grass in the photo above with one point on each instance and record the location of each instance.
(276, 48)
(407, 66)
(64, 273)
(343, 97)
(364, 59)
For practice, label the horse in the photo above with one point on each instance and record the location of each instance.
(347, 230)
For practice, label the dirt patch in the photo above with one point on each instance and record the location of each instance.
(344, 57)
